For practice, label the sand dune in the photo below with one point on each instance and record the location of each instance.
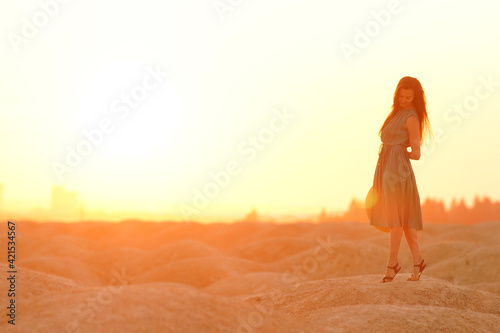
(250, 277)
(247, 284)
(271, 249)
(79, 271)
(75, 247)
(476, 265)
(442, 251)
(340, 301)
(358, 290)
(157, 307)
(338, 258)
(127, 257)
(178, 250)
(33, 283)
(484, 233)
(202, 271)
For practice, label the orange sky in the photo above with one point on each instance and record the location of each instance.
(192, 112)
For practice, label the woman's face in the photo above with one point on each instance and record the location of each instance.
(405, 98)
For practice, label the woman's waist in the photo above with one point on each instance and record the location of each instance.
(386, 146)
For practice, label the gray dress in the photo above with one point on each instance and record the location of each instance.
(393, 200)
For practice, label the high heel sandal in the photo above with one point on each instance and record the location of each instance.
(396, 269)
(421, 268)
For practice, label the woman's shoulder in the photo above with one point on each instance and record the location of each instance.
(411, 118)
(408, 112)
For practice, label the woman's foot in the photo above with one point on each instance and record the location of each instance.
(389, 277)
(417, 271)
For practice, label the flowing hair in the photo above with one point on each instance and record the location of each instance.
(419, 102)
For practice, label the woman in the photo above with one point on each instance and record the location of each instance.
(393, 203)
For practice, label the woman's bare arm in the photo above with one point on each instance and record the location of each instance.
(412, 125)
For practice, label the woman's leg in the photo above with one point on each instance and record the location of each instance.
(395, 242)
(412, 239)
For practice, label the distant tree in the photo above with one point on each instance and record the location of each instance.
(434, 211)
(322, 216)
(252, 216)
(482, 210)
(356, 212)
(495, 211)
(459, 213)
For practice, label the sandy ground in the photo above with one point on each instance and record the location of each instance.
(247, 277)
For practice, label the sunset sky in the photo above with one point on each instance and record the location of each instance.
(268, 104)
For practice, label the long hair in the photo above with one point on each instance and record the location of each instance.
(419, 102)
